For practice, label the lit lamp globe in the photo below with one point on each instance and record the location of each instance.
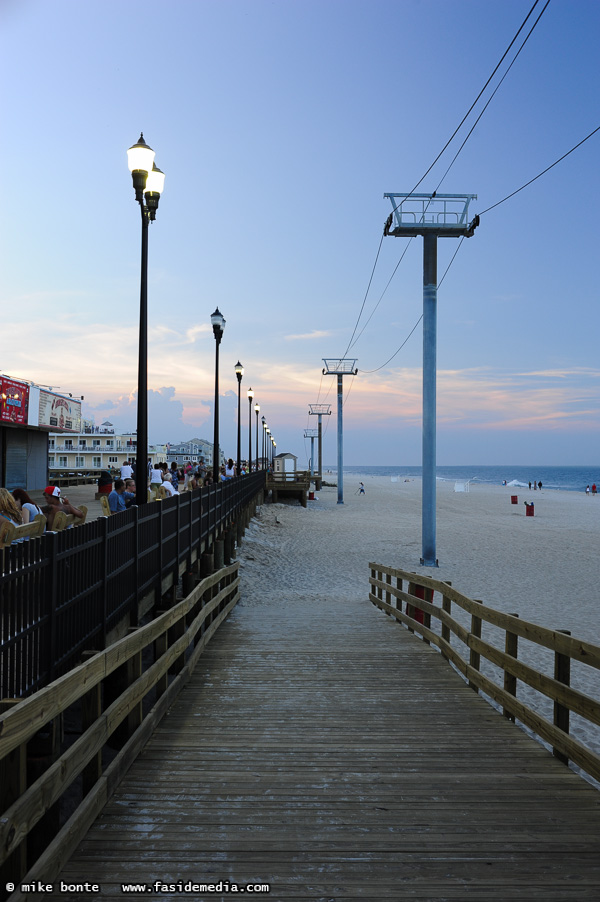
(218, 323)
(155, 184)
(140, 160)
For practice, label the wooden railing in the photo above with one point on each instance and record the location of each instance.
(31, 846)
(69, 591)
(438, 627)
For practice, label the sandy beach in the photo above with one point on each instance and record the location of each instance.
(546, 568)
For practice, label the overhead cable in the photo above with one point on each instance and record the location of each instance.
(539, 175)
(474, 126)
(469, 111)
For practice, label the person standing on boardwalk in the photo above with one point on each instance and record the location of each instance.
(126, 470)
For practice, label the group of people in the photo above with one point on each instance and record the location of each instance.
(19, 508)
(594, 489)
(190, 476)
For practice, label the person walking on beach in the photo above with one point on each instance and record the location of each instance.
(361, 489)
(587, 491)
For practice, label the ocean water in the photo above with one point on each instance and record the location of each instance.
(566, 479)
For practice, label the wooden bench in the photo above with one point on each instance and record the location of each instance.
(63, 521)
(10, 532)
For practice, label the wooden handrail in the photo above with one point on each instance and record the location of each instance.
(188, 626)
(418, 616)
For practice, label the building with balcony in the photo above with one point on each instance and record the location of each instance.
(196, 450)
(95, 448)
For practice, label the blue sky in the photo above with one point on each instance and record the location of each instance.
(280, 125)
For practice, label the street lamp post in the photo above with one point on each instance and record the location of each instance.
(257, 411)
(264, 426)
(250, 397)
(218, 323)
(148, 182)
(239, 372)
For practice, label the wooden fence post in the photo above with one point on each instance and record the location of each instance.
(562, 673)
(388, 595)
(91, 709)
(410, 609)
(134, 672)
(474, 656)
(398, 603)
(447, 607)
(161, 646)
(511, 647)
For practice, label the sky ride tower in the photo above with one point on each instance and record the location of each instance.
(432, 216)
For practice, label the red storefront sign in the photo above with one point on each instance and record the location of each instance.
(14, 397)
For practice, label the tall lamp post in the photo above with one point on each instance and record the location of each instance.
(218, 323)
(264, 426)
(148, 182)
(239, 372)
(250, 397)
(257, 411)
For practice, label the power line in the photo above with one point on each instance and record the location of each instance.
(381, 296)
(351, 343)
(369, 372)
(366, 295)
(547, 169)
(474, 126)
(468, 113)
(508, 196)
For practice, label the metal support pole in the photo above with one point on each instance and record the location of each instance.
(239, 430)
(312, 455)
(216, 460)
(428, 510)
(320, 446)
(257, 412)
(141, 470)
(249, 435)
(340, 448)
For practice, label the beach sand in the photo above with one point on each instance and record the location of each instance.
(544, 568)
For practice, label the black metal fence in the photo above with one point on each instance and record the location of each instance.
(64, 592)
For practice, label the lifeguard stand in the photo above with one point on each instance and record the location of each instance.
(432, 216)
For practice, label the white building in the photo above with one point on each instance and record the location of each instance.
(95, 448)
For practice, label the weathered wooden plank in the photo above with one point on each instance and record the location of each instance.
(329, 753)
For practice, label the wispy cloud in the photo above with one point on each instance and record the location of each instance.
(308, 336)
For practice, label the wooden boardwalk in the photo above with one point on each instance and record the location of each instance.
(323, 750)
